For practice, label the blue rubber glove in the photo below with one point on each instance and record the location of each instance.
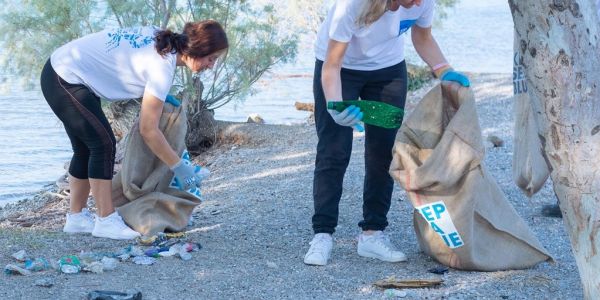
(452, 75)
(350, 116)
(172, 100)
(186, 175)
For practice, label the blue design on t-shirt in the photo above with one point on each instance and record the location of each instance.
(405, 25)
(133, 35)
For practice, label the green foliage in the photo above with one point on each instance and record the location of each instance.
(34, 28)
(417, 76)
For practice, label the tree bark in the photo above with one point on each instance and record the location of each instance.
(560, 46)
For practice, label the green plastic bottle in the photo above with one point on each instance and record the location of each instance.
(374, 112)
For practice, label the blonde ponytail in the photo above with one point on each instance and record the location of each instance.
(372, 10)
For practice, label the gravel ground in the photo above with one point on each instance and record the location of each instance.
(254, 226)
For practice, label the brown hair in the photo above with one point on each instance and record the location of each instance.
(197, 39)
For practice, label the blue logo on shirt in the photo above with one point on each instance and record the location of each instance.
(133, 35)
(405, 25)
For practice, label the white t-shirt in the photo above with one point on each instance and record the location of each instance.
(376, 46)
(117, 64)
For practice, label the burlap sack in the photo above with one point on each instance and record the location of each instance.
(530, 167)
(461, 217)
(141, 190)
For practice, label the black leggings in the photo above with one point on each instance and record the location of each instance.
(80, 111)
(335, 146)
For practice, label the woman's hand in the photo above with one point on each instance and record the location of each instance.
(186, 175)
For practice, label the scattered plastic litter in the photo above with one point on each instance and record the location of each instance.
(113, 295)
(20, 255)
(438, 270)
(69, 264)
(393, 293)
(109, 263)
(95, 267)
(37, 265)
(158, 246)
(16, 270)
(44, 282)
(144, 260)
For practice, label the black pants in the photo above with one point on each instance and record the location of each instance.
(335, 146)
(80, 111)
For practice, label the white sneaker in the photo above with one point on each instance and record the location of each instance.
(379, 246)
(113, 227)
(81, 222)
(320, 249)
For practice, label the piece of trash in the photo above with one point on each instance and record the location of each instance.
(69, 264)
(271, 265)
(393, 293)
(113, 295)
(37, 265)
(440, 270)
(95, 267)
(152, 252)
(20, 255)
(159, 239)
(109, 263)
(134, 251)
(16, 270)
(144, 260)
(391, 283)
(184, 255)
(124, 257)
(167, 253)
(44, 282)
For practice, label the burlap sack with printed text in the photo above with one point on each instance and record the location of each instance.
(530, 167)
(141, 188)
(462, 218)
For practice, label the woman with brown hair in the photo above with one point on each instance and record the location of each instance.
(120, 64)
(360, 55)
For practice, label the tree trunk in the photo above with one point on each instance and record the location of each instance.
(560, 47)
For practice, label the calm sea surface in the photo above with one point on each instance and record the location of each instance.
(477, 36)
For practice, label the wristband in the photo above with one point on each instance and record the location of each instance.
(441, 71)
(439, 66)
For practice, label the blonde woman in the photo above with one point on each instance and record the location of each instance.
(360, 54)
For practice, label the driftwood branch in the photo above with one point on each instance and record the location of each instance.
(305, 106)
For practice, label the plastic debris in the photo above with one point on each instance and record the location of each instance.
(44, 282)
(124, 257)
(37, 265)
(144, 260)
(113, 295)
(184, 254)
(438, 270)
(109, 263)
(20, 255)
(95, 267)
(155, 251)
(69, 264)
(393, 293)
(16, 270)
(136, 251)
